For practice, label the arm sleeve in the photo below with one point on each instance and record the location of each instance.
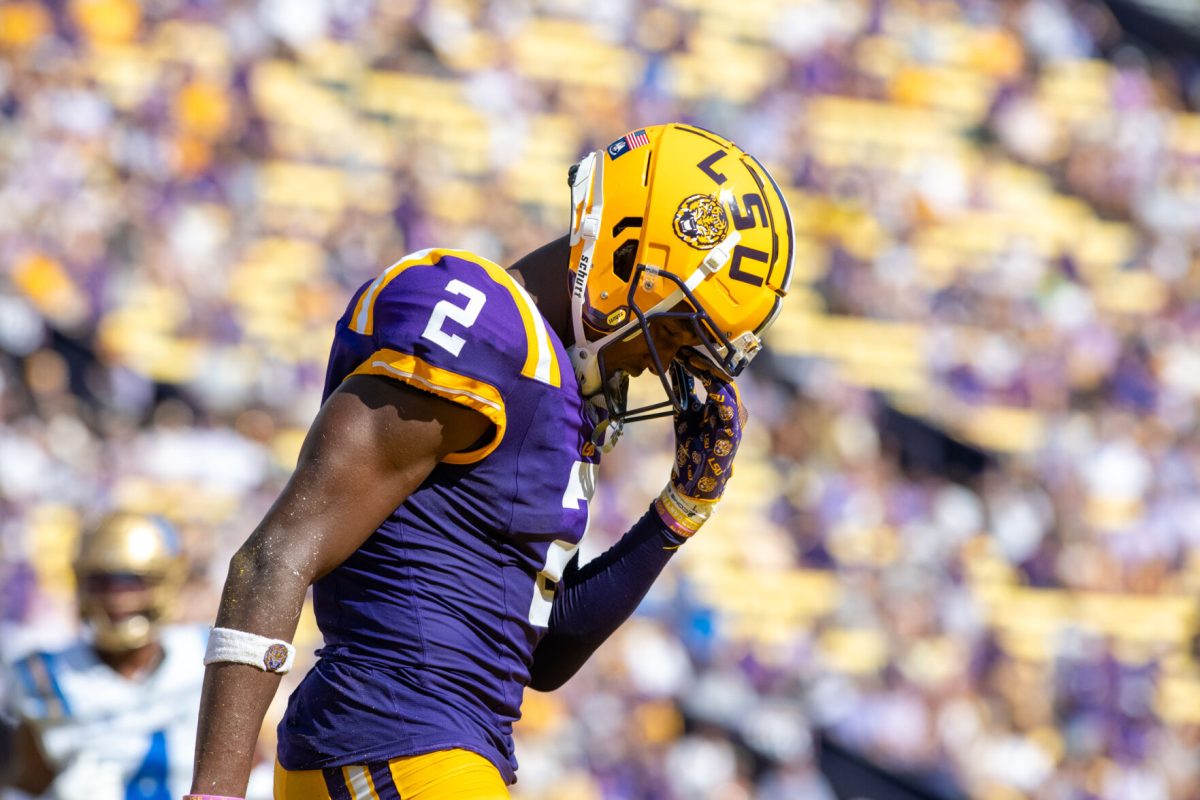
(592, 601)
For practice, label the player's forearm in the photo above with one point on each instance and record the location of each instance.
(593, 601)
(264, 596)
(22, 765)
(8, 750)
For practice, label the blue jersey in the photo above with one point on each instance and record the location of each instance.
(430, 626)
(106, 736)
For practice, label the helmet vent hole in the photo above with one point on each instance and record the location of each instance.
(623, 258)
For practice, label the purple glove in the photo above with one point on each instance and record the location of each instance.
(707, 435)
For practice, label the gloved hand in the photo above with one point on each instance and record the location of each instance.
(707, 435)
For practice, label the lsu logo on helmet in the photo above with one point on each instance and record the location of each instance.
(701, 221)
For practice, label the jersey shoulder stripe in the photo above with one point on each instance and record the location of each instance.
(455, 387)
(541, 359)
(363, 318)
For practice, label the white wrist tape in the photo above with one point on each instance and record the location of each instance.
(240, 647)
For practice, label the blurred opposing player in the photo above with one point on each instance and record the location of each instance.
(113, 716)
(443, 489)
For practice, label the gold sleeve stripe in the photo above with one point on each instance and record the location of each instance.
(364, 310)
(474, 394)
(541, 362)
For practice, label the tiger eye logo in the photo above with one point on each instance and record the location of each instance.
(701, 222)
(723, 447)
(725, 412)
(707, 483)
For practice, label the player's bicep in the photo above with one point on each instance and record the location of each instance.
(374, 441)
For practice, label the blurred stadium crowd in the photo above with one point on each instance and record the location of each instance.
(963, 537)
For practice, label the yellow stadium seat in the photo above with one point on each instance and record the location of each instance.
(1184, 137)
(55, 528)
(1135, 292)
(200, 45)
(1003, 429)
(127, 73)
(854, 651)
(961, 92)
(332, 61)
(850, 339)
(106, 21)
(744, 74)
(1077, 91)
(1178, 700)
(308, 186)
(23, 24)
(569, 52)
(202, 108)
(49, 287)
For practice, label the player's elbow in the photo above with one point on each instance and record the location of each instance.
(555, 660)
(255, 566)
(550, 674)
(544, 681)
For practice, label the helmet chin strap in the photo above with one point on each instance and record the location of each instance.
(609, 422)
(587, 205)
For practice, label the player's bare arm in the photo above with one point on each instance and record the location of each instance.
(22, 765)
(373, 442)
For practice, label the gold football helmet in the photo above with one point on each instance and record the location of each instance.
(136, 559)
(673, 221)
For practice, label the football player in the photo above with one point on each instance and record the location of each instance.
(113, 716)
(443, 488)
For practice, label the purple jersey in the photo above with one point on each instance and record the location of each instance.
(430, 626)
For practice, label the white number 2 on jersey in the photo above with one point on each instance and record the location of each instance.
(580, 488)
(463, 316)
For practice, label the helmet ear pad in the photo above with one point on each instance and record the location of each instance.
(624, 258)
